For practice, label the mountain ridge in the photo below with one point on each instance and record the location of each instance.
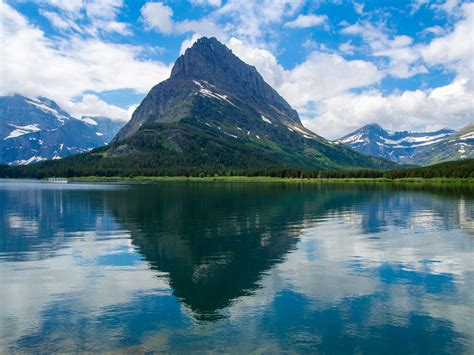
(458, 146)
(37, 129)
(405, 147)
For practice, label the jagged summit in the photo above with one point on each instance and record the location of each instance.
(203, 60)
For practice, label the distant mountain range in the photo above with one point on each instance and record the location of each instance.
(420, 148)
(36, 129)
(457, 146)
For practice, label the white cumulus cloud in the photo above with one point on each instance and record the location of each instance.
(322, 87)
(91, 17)
(91, 105)
(63, 69)
(304, 21)
(454, 50)
(323, 75)
(450, 106)
(214, 3)
(158, 16)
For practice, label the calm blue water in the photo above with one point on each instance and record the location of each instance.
(239, 268)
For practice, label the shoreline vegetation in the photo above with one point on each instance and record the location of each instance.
(454, 172)
(269, 179)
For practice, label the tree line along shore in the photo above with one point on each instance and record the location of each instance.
(454, 170)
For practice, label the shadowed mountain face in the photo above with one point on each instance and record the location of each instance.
(212, 62)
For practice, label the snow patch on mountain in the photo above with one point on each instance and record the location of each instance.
(212, 94)
(21, 130)
(411, 139)
(33, 159)
(305, 134)
(266, 119)
(47, 109)
(88, 120)
(231, 135)
(357, 138)
(467, 136)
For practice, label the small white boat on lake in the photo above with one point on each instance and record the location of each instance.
(58, 180)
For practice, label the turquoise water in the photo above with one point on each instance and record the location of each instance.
(239, 268)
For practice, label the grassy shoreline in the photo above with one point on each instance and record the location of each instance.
(268, 179)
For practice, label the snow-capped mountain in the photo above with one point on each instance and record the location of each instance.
(459, 145)
(409, 147)
(36, 129)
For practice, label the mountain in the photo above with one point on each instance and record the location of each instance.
(216, 111)
(211, 71)
(401, 147)
(459, 145)
(36, 129)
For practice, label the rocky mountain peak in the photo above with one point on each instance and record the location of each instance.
(211, 61)
(204, 59)
(373, 127)
(210, 69)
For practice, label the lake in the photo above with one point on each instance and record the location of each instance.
(235, 267)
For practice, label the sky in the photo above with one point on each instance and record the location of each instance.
(404, 64)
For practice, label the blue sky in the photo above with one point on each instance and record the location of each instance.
(407, 65)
